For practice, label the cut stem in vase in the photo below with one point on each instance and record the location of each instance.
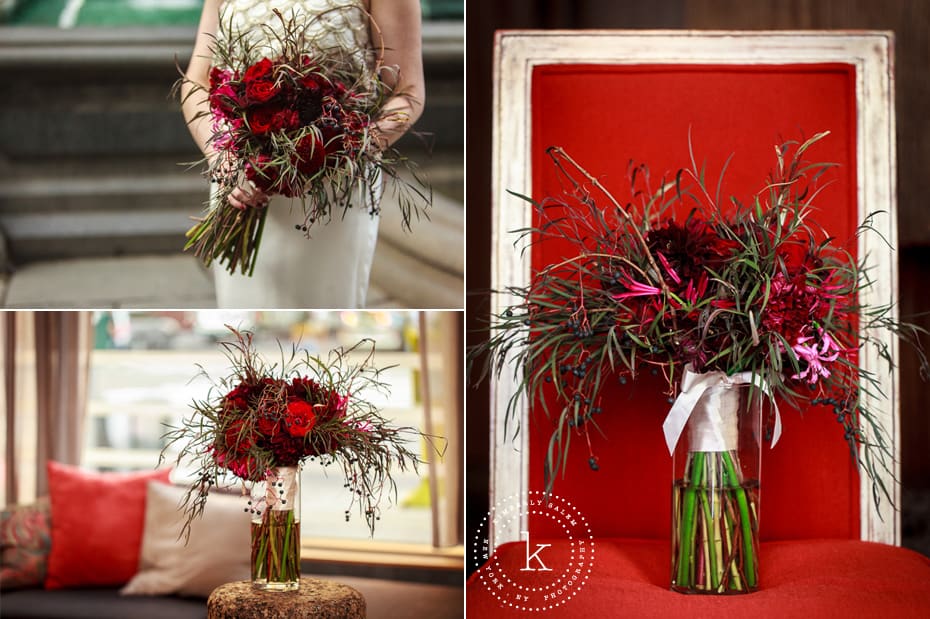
(715, 495)
(276, 531)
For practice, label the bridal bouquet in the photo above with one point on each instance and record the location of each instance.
(263, 421)
(713, 297)
(297, 119)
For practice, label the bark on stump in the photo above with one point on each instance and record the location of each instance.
(316, 599)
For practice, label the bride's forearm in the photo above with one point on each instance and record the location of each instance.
(194, 102)
(396, 30)
(196, 113)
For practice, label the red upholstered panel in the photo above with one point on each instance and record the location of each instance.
(604, 116)
(812, 578)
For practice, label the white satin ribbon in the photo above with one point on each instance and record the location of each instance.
(282, 497)
(693, 388)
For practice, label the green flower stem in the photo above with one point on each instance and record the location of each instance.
(283, 567)
(276, 547)
(737, 582)
(687, 523)
(258, 240)
(715, 522)
(711, 547)
(733, 481)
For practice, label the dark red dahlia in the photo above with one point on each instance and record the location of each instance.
(310, 154)
(689, 249)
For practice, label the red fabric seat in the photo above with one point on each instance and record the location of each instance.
(811, 563)
(815, 579)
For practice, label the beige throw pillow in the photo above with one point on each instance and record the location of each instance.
(217, 553)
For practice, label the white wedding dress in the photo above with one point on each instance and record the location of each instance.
(331, 268)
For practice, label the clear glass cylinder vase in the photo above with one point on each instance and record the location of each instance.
(715, 493)
(275, 509)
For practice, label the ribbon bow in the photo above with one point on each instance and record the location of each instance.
(693, 387)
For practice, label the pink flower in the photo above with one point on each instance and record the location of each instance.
(224, 100)
(363, 426)
(816, 356)
(668, 268)
(634, 289)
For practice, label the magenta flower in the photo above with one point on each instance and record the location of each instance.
(363, 426)
(634, 289)
(816, 356)
(668, 268)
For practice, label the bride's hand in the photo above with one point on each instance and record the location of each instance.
(246, 196)
(387, 129)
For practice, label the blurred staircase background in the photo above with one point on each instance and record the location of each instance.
(94, 203)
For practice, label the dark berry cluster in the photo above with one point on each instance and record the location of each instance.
(580, 328)
(843, 415)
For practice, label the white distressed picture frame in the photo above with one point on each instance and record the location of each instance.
(516, 55)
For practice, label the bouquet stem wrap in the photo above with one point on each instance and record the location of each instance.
(706, 390)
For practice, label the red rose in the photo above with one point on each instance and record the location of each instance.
(236, 400)
(238, 438)
(261, 70)
(330, 406)
(260, 91)
(300, 418)
(246, 467)
(310, 154)
(262, 172)
(219, 76)
(268, 426)
(312, 85)
(261, 119)
(302, 387)
(285, 120)
(290, 188)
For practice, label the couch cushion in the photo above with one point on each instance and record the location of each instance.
(804, 579)
(25, 540)
(216, 553)
(96, 604)
(97, 521)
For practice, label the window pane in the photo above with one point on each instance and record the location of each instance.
(144, 374)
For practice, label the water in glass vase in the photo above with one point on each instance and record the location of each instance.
(715, 527)
(275, 508)
(276, 552)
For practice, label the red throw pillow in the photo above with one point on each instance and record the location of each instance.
(97, 522)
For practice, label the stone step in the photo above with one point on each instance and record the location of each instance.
(413, 282)
(437, 241)
(126, 282)
(149, 281)
(91, 192)
(82, 215)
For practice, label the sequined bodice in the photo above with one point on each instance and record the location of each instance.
(332, 24)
